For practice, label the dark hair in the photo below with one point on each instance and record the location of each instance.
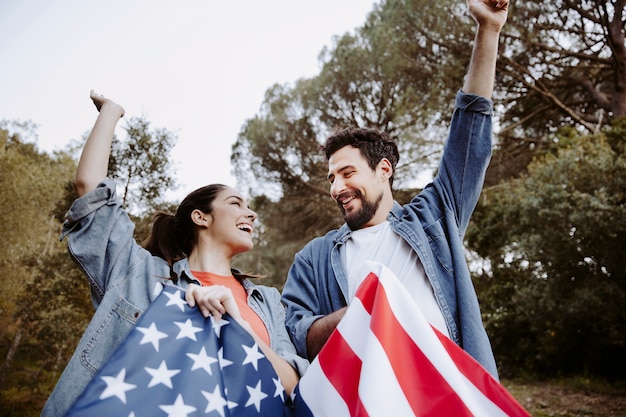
(373, 144)
(173, 237)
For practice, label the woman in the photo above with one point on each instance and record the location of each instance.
(193, 248)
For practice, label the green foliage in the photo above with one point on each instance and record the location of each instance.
(54, 309)
(141, 164)
(31, 182)
(44, 296)
(555, 240)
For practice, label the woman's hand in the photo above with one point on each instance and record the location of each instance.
(214, 300)
(101, 101)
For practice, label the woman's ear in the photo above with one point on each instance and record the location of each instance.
(200, 218)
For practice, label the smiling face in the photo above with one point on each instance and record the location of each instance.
(232, 221)
(362, 194)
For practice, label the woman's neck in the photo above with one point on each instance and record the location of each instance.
(209, 261)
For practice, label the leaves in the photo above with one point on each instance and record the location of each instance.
(141, 165)
(555, 238)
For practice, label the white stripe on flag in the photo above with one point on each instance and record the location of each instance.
(415, 324)
(320, 396)
(384, 397)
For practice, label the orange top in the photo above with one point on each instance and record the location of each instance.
(241, 297)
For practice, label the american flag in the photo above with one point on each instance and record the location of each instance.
(177, 363)
(384, 359)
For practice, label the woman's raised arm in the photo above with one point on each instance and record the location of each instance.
(94, 160)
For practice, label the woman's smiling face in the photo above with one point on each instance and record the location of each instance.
(232, 220)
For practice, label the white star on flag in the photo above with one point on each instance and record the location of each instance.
(223, 361)
(216, 401)
(187, 329)
(151, 335)
(161, 375)
(116, 386)
(176, 300)
(178, 409)
(252, 355)
(279, 390)
(202, 361)
(158, 287)
(256, 395)
(218, 324)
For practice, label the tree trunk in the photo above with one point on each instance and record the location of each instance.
(4, 370)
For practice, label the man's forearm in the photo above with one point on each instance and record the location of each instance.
(320, 331)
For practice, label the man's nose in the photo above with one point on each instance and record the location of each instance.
(337, 187)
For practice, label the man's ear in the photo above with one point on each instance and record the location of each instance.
(200, 218)
(385, 168)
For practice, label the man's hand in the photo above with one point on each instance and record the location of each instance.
(489, 14)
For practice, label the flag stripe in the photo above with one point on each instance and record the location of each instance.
(385, 359)
(489, 386)
(379, 389)
(322, 399)
(426, 390)
(407, 314)
(342, 377)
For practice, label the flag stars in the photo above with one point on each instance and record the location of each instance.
(223, 361)
(116, 386)
(252, 355)
(216, 403)
(178, 409)
(162, 375)
(187, 329)
(202, 361)
(151, 335)
(256, 395)
(279, 390)
(175, 300)
(218, 324)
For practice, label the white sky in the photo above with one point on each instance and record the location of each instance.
(199, 68)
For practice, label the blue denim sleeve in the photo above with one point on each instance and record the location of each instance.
(466, 156)
(283, 345)
(300, 298)
(100, 238)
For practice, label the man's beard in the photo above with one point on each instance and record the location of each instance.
(358, 218)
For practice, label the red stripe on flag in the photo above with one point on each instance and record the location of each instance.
(427, 392)
(475, 373)
(345, 377)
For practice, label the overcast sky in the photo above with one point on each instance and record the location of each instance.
(198, 68)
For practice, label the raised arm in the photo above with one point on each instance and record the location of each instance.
(490, 16)
(94, 160)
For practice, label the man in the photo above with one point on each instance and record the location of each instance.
(421, 242)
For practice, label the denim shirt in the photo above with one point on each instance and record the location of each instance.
(433, 224)
(124, 279)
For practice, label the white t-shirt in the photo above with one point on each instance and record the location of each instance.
(380, 244)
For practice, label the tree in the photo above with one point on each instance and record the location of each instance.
(30, 183)
(141, 164)
(562, 63)
(554, 239)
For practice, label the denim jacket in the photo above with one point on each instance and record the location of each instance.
(124, 279)
(433, 224)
